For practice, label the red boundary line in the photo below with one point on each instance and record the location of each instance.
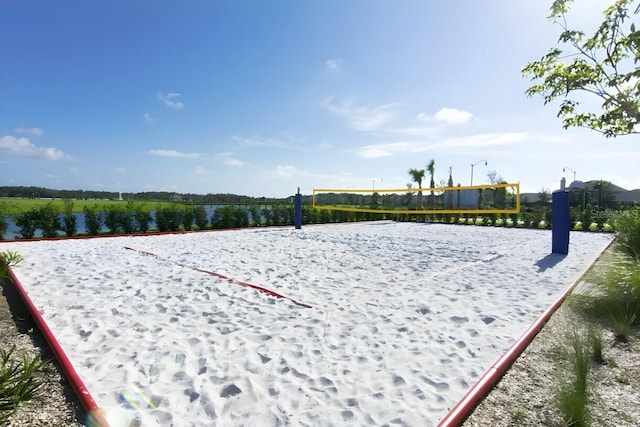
(95, 417)
(481, 389)
(221, 276)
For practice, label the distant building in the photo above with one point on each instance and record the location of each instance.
(597, 191)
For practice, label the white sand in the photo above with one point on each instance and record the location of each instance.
(405, 318)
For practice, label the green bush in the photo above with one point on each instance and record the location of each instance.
(200, 217)
(627, 227)
(69, 220)
(47, 220)
(572, 394)
(169, 218)
(188, 217)
(8, 259)
(93, 220)
(141, 218)
(4, 224)
(616, 300)
(19, 381)
(113, 218)
(27, 222)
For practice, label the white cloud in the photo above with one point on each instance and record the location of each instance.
(121, 170)
(333, 63)
(173, 153)
(258, 141)
(32, 131)
(365, 119)
(201, 171)
(234, 162)
(169, 101)
(227, 159)
(287, 171)
(148, 118)
(373, 151)
(23, 147)
(449, 116)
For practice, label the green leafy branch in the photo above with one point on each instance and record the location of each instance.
(604, 65)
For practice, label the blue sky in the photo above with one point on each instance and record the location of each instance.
(262, 97)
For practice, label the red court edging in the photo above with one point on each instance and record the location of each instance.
(222, 276)
(95, 417)
(474, 396)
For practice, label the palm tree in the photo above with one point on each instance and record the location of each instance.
(431, 167)
(418, 175)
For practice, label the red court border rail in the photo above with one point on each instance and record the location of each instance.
(95, 417)
(490, 378)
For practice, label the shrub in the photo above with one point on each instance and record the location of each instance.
(113, 218)
(28, 223)
(222, 217)
(311, 214)
(188, 217)
(93, 220)
(4, 224)
(616, 301)
(627, 228)
(240, 217)
(69, 220)
(47, 220)
(586, 218)
(595, 340)
(8, 259)
(200, 217)
(572, 395)
(542, 224)
(19, 382)
(169, 218)
(127, 223)
(142, 218)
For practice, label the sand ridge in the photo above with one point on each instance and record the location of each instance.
(405, 318)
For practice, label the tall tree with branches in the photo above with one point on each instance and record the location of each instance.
(417, 175)
(604, 65)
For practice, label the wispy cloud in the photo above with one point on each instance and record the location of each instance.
(229, 160)
(362, 118)
(449, 116)
(148, 119)
(169, 100)
(23, 147)
(201, 171)
(31, 131)
(287, 171)
(448, 144)
(333, 63)
(121, 170)
(173, 153)
(234, 162)
(258, 141)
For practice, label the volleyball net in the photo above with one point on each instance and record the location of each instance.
(476, 199)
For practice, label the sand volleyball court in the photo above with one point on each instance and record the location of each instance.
(404, 318)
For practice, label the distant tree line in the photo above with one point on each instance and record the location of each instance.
(162, 196)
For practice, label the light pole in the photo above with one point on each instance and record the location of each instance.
(476, 164)
(584, 190)
(574, 172)
(373, 184)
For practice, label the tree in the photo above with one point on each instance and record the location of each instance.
(603, 65)
(418, 175)
(431, 168)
